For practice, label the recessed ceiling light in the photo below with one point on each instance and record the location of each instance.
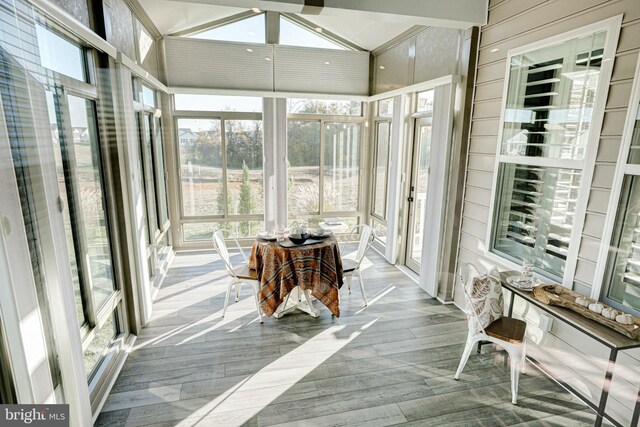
(495, 49)
(326, 62)
(381, 67)
(256, 10)
(318, 29)
(267, 59)
(249, 50)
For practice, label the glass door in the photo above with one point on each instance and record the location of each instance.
(417, 199)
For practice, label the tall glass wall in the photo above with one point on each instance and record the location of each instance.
(54, 112)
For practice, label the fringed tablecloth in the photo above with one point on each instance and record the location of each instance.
(316, 267)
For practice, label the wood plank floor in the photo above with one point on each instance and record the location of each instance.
(389, 364)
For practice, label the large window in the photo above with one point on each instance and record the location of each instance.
(546, 125)
(78, 157)
(622, 273)
(323, 155)
(221, 171)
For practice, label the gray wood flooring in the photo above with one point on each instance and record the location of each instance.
(389, 364)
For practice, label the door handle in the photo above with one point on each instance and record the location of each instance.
(410, 199)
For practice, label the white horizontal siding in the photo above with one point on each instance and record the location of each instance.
(514, 23)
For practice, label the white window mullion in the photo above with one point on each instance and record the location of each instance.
(543, 162)
(630, 170)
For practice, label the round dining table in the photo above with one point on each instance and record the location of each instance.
(289, 274)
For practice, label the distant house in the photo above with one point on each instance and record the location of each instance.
(186, 136)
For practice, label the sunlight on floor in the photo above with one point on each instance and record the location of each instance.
(235, 312)
(377, 296)
(255, 391)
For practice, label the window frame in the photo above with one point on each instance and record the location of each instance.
(374, 156)
(196, 32)
(143, 112)
(323, 119)
(624, 170)
(222, 116)
(64, 86)
(341, 44)
(587, 165)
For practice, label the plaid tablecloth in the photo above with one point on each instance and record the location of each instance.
(316, 267)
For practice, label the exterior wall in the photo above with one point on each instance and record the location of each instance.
(433, 53)
(513, 23)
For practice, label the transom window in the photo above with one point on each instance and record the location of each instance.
(324, 106)
(201, 102)
(292, 34)
(249, 30)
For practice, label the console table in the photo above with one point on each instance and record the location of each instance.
(611, 339)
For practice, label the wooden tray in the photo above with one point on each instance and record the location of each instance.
(563, 297)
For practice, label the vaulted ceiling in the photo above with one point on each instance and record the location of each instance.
(367, 24)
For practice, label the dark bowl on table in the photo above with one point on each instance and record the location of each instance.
(299, 239)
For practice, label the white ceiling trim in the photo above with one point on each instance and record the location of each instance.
(419, 87)
(265, 94)
(451, 13)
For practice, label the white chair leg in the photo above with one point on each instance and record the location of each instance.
(524, 358)
(226, 298)
(468, 348)
(258, 307)
(364, 297)
(349, 278)
(516, 365)
(238, 286)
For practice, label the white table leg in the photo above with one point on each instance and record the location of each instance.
(295, 301)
